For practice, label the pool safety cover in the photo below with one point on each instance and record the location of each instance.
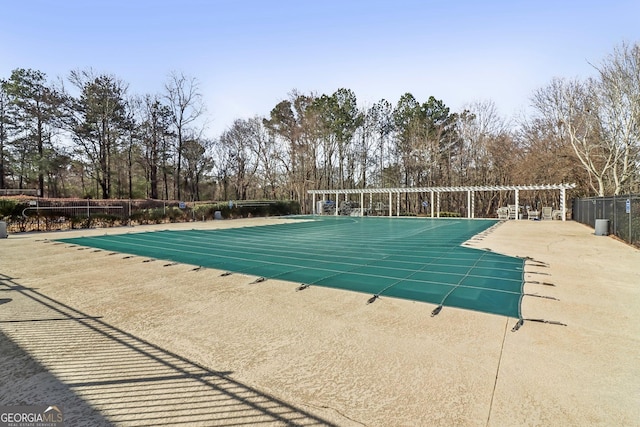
(418, 259)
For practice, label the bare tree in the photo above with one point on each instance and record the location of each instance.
(477, 126)
(186, 105)
(600, 118)
(198, 161)
(294, 122)
(267, 151)
(237, 147)
(155, 124)
(618, 111)
(571, 106)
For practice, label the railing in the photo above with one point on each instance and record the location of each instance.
(62, 214)
(622, 212)
(18, 192)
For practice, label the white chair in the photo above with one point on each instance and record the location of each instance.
(547, 212)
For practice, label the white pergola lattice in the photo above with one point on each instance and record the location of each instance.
(435, 193)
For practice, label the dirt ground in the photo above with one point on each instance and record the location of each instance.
(118, 340)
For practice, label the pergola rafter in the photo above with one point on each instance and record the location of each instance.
(436, 191)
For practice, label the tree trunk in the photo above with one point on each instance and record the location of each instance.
(179, 165)
(166, 184)
(153, 168)
(2, 185)
(40, 158)
(130, 169)
(154, 181)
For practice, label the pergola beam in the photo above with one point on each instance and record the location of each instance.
(438, 190)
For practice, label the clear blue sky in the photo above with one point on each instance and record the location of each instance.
(248, 55)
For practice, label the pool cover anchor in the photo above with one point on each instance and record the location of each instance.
(535, 282)
(302, 287)
(436, 310)
(541, 273)
(373, 299)
(538, 265)
(226, 273)
(534, 262)
(520, 322)
(258, 280)
(541, 296)
(549, 322)
(197, 268)
(517, 325)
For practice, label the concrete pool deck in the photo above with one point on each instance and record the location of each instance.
(118, 341)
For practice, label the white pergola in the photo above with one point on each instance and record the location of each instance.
(435, 194)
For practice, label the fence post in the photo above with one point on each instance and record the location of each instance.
(629, 214)
(615, 217)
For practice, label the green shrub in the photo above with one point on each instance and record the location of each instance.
(157, 215)
(449, 214)
(105, 220)
(79, 221)
(175, 214)
(138, 217)
(11, 210)
(204, 211)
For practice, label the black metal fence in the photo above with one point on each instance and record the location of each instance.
(38, 214)
(621, 212)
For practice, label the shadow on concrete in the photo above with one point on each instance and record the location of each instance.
(101, 375)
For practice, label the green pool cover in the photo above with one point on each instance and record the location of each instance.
(417, 259)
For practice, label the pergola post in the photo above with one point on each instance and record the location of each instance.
(313, 207)
(473, 204)
(432, 205)
(563, 206)
(361, 204)
(517, 205)
(337, 202)
(438, 208)
(398, 205)
(390, 204)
